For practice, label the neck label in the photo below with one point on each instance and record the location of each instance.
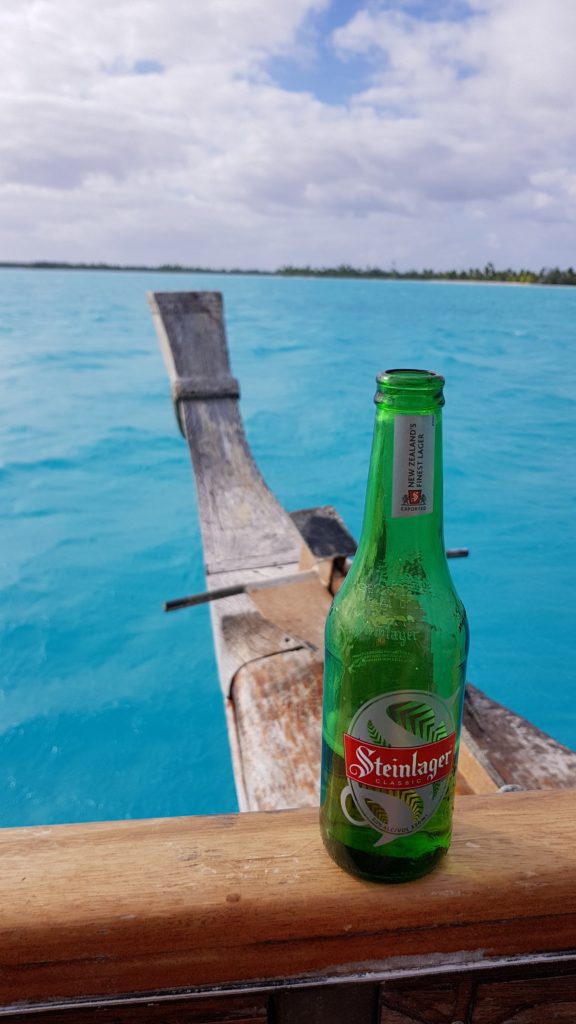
(413, 466)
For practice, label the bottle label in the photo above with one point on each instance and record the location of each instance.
(399, 756)
(413, 466)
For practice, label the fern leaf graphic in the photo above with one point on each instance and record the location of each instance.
(435, 788)
(376, 736)
(441, 732)
(412, 800)
(417, 718)
(377, 811)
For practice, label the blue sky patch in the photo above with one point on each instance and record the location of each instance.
(317, 68)
(148, 66)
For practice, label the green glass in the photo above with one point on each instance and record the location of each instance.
(396, 648)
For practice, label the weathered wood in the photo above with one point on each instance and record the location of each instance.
(324, 532)
(277, 706)
(138, 907)
(300, 609)
(475, 773)
(243, 525)
(204, 597)
(518, 751)
(247, 535)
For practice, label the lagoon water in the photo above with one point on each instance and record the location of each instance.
(111, 709)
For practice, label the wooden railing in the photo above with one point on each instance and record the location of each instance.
(245, 918)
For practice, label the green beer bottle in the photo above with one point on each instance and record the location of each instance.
(396, 647)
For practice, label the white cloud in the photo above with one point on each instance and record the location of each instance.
(153, 131)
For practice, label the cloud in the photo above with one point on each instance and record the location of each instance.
(155, 132)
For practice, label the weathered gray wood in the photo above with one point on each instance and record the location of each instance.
(204, 597)
(277, 706)
(247, 537)
(520, 753)
(242, 523)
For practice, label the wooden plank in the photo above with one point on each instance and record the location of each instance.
(241, 633)
(299, 609)
(242, 523)
(474, 774)
(428, 1000)
(519, 752)
(278, 721)
(549, 1000)
(245, 533)
(157, 905)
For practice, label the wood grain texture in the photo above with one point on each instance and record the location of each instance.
(519, 752)
(138, 906)
(278, 712)
(191, 333)
(549, 1000)
(241, 634)
(441, 1000)
(242, 523)
(475, 774)
(299, 609)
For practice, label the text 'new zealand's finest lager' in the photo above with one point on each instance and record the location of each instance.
(396, 646)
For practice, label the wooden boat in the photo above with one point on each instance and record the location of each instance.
(244, 917)
(269, 641)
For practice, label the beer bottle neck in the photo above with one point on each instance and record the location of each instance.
(403, 517)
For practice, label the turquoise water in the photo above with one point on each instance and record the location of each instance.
(111, 709)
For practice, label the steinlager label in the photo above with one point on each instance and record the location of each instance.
(396, 647)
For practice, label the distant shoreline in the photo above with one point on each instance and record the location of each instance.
(487, 275)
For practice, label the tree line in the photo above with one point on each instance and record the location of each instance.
(548, 275)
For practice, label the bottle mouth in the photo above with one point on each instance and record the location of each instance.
(407, 381)
(408, 378)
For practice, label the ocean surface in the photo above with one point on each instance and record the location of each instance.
(109, 708)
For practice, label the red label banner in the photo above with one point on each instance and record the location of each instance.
(398, 767)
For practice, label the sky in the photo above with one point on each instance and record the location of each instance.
(260, 133)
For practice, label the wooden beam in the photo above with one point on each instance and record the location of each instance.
(518, 753)
(183, 903)
(243, 525)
